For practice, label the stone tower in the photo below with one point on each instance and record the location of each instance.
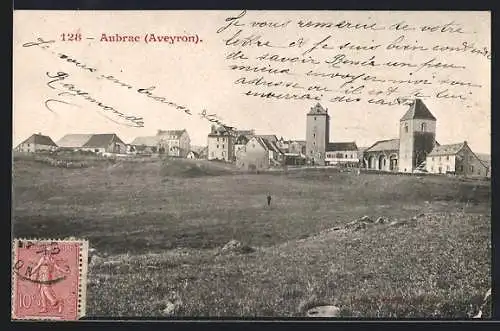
(417, 136)
(317, 134)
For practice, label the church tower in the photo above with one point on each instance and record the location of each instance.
(417, 136)
(317, 134)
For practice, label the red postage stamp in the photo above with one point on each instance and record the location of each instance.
(49, 279)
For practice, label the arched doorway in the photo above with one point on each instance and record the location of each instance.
(382, 162)
(371, 162)
(393, 162)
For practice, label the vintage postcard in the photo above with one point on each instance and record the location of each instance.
(239, 163)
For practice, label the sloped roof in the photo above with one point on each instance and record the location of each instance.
(450, 149)
(267, 144)
(485, 158)
(146, 141)
(318, 110)
(219, 131)
(40, 139)
(74, 140)
(270, 137)
(176, 133)
(384, 145)
(341, 146)
(102, 140)
(418, 110)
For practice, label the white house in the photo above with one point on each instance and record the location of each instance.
(341, 153)
(456, 159)
(37, 143)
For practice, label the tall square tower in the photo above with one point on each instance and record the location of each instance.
(417, 136)
(317, 134)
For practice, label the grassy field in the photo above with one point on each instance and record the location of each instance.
(157, 228)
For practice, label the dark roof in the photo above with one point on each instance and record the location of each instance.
(176, 133)
(418, 110)
(384, 145)
(450, 149)
(269, 145)
(218, 131)
(318, 110)
(40, 139)
(271, 137)
(102, 140)
(343, 146)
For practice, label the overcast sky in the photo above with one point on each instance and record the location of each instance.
(197, 76)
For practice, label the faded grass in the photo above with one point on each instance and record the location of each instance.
(158, 237)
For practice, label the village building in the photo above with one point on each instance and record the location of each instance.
(220, 143)
(174, 142)
(144, 145)
(317, 134)
(96, 143)
(294, 151)
(342, 153)
(382, 155)
(105, 143)
(36, 143)
(456, 159)
(261, 152)
(297, 147)
(241, 139)
(417, 138)
(73, 142)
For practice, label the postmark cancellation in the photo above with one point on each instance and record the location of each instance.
(49, 279)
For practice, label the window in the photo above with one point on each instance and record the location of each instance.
(217, 139)
(346, 156)
(447, 158)
(28, 145)
(314, 135)
(423, 127)
(222, 145)
(217, 145)
(314, 143)
(471, 168)
(315, 118)
(406, 127)
(433, 158)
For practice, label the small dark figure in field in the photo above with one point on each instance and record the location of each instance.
(268, 199)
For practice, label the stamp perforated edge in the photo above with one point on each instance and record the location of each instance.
(82, 275)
